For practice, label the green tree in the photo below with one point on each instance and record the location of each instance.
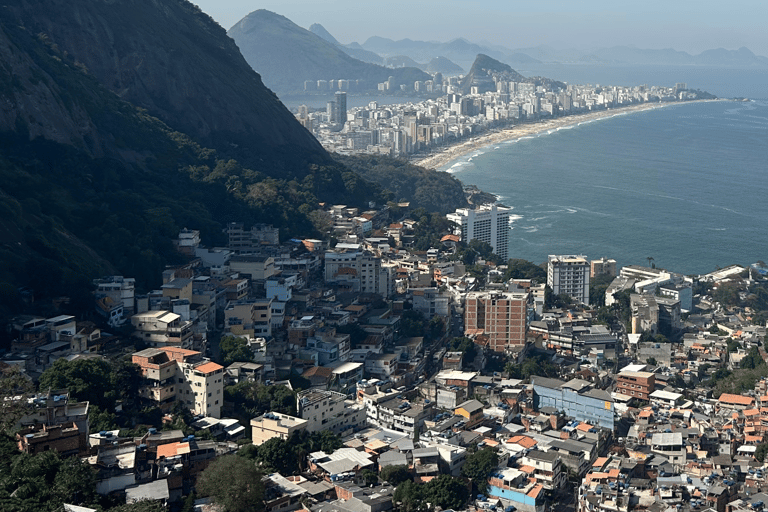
(522, 269)
(447, 492)
(234, 483)
(478, 466)
(278, 455)
(761, 451)
(13, 384)
(44, 482)
(396, 475)
(234, 349)
(368, 477)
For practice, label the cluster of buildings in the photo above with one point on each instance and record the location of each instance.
(620, 414)
(404, 129)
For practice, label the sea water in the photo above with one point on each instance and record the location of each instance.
(686, 185)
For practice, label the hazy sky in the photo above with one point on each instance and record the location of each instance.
(686, 25)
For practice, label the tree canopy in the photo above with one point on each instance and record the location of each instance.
(443, 491)
(234, 349)
(43, 482)
(233, 482)
(478, 466)
(94, 380)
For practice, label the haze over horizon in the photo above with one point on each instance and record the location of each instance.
(685, 25)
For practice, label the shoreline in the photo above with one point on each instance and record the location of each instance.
(462, 148)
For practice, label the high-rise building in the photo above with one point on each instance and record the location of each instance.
(337, 108)
(488, 224)
(569, 275)
(502, 317)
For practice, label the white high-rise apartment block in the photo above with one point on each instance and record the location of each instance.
(569, 275)
(488, 224)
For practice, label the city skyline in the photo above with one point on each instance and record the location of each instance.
(684, 26)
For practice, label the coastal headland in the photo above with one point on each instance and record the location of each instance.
(461, 148)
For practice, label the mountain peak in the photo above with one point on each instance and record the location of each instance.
(320, 31)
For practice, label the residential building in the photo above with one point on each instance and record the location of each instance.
(569, 275)
(602, 267)
(120, 290)
(174, 374)
(431, 302)
(577, 398)
(162, 329)
(548, 468)
(358, 270)
(242, 240)
(638, 385)
(62, 438)
(488, 224)
(501, 316)
(275, 424)
(669, 445)
(328, 410)
(252, 317)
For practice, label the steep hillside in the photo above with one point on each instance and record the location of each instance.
(286, 55)
(91, 184)
(170, 58)
(423, 188)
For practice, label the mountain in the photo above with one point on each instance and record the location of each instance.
(402, 61)
(352, 49)
(633, 56)
(485, 69)
(444, 66)
(170, 58)
(91, 184)
(320, 31)
(286, 55)
(122, 123)
(460, 51)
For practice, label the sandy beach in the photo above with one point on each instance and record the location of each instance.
(467, 146)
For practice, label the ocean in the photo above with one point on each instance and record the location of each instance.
(686, 185)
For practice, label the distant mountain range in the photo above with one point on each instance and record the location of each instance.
(286, 55)
(463, 53)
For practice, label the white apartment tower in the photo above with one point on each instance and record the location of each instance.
(569, 275)
(488, 224)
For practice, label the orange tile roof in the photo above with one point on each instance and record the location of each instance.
(527, 469)
(751, 412)
(600, 462)
(753, 439)
(208, 367)
(584, 427)
(491, 442)
(524, 441)
(613, 473)
(596, 476)
(727, 398)
(645, 414)
(534, 493)
(172, 449)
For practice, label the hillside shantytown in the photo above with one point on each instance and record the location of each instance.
(407, 365)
